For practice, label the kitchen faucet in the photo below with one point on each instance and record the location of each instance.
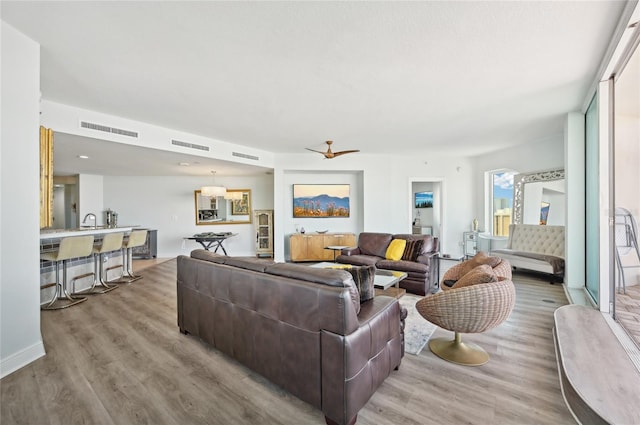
(88, 216)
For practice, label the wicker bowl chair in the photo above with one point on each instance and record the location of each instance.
(469, 309)
(503, 269)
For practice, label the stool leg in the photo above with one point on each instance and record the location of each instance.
(98, 276)
(127, 268)
(58, 291)
(64, 291)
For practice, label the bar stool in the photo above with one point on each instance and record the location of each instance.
(136, 238)
(110, 242)
(71, 247)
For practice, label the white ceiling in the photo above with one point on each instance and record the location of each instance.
(403, 77)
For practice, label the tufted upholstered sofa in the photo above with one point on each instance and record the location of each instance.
(303, 328)
(421, 273)
(535, 247)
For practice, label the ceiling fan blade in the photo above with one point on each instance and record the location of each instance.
(313, 150)
(344, 152)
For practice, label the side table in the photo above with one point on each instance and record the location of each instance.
(335, 249)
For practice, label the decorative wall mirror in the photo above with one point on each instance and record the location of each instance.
(233, 208)
(532, 194)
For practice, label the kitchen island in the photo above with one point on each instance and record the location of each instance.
(50, 241)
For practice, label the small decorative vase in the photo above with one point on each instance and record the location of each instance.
(302, 230)
(475, 225)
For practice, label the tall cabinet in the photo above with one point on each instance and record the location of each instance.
(264, 232)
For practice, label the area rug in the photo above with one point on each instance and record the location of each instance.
(417, 330)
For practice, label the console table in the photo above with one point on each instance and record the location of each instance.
(212, 239)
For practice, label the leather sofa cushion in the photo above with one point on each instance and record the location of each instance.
(374, 243)
(249, 263)
(330, 277)
(429, 243)
(358, 260)
(403, 266)
(203, 254)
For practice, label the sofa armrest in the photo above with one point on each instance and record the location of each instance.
(427, 258)
(352, 250)
(369, 355)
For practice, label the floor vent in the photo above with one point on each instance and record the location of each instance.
(107, 129)
(246, 156)
(189, 145)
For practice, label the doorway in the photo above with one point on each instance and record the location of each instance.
(427, 208)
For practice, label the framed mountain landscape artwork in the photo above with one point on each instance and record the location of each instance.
(320, 200)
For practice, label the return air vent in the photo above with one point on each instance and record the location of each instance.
(189, 145)
(107, 129)
(244, 155)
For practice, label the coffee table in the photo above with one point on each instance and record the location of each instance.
(386, 282)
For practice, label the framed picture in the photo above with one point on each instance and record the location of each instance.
(320, 200)
(544, 213)
(424, 200)
(240, 206)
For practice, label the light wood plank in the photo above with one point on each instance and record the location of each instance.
(119, 358)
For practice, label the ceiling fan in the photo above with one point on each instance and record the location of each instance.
(329, 153)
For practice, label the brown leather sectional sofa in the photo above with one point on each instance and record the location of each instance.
(421, 273)
(303, 328)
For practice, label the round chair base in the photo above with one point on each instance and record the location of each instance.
(458, 352)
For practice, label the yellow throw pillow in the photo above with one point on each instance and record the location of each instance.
(395, 249)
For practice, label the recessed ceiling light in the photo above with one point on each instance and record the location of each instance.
(83, 157)
(184, 164)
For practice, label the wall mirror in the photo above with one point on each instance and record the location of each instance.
(539, 198)
(233, 208)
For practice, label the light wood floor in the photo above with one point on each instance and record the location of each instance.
(119, 359)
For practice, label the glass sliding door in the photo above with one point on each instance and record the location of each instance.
(592, 203)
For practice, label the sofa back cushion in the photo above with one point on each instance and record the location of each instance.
(374, 243)
(203, 254)
(548, 240)
(330, 277)
(429, 243)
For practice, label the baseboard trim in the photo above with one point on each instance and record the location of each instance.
(21, 359)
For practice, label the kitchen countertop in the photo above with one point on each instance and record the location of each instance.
(98, 230)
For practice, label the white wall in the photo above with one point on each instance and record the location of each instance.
(90, 198)
(386, 192)
(20, 338)
(168, 205)
(539, 155)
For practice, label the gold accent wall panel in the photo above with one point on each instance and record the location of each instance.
(46, 177)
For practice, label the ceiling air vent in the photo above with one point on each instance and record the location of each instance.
(189, 145)
(244, 155)
(107, 129)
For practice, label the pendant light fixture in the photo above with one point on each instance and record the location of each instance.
(213, 190)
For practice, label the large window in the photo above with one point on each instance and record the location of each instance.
(501, 201)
